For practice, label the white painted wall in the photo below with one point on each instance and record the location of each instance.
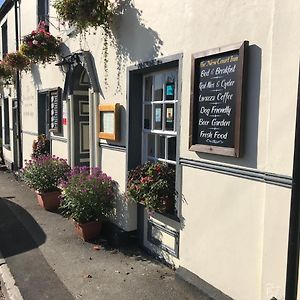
(235, 230)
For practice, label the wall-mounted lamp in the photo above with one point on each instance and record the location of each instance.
(68, 61)
(64, 64)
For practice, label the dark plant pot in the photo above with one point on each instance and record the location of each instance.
(49, 201)
(88, 231)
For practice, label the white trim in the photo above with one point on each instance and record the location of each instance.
(96, 129)
(81, 113)
(91, 128)
(81, 136)
(80, 93)
(72, 131)
(162, 103)
(84, 159)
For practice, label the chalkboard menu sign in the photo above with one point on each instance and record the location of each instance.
(55, 111)
(218, 84)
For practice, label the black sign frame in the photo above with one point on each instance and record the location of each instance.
(55, 125)
(241, 49)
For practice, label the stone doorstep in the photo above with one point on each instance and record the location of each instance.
(8, 285)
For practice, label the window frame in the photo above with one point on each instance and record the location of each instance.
(134, 119)
(163, 132)
(4, 36)
(42, 11)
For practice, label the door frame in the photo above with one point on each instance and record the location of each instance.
(134, 105)
(73, 119)
(78, 86)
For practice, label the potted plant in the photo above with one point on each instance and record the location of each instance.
(43, 175)
(17, 61)
(40, 146)
(88, 198)
(153, 185)
(40, 46)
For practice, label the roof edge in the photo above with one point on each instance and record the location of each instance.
(6, 7)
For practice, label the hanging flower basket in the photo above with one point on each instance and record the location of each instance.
(86, 13)
(6, 74)
(17, 61)
(40, 46)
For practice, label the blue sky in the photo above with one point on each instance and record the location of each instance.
(1, 1)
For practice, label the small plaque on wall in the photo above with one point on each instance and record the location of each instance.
(109, 121)
(217, 96)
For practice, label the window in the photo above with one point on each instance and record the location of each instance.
(4, 39)
(159, 116)
(43, 11)
(6, 121)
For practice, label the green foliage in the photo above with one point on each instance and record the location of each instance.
(88, 195)
(44, 173)
(17, 61)
(85, 13)
(6, 74)
(153, 185)
(40, 147)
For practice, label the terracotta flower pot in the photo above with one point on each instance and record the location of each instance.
(88, 231)
(49, 201)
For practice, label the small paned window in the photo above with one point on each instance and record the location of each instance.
(159, 116)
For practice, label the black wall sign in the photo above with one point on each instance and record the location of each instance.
(216, 103)
(55, 111)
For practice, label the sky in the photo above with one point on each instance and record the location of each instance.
(1, 1)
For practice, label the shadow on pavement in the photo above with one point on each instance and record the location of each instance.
(14, 238)
(32, 273)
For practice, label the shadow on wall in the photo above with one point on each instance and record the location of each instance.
(14, 238)
(35, 68)
(249, 157)
(36, 76)
(133, 40)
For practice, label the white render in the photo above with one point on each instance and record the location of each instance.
(234, 231)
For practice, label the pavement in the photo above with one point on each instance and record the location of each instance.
(43, 259)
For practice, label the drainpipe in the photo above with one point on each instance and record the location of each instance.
(294, 231)
(18, 90)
